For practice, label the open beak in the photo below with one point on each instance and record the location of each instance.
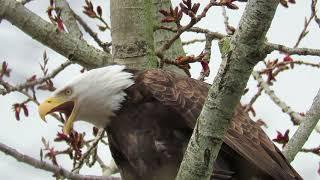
(59, 104)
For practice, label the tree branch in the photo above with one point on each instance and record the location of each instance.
(94, 144)
(94, 35)
(69, 46)
(26, 85)
(240, 55)
(292, 51)
(295, 117)
(68, 18)
(303, 132)
(49, 167)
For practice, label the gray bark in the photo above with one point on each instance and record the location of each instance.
(68, 18)
(65, 44)
(303, 132)
(132, 33)
(240, 55)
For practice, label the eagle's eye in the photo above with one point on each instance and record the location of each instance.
(68, 92)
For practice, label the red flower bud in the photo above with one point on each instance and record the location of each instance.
(99, 10)
(282, 138)
(287, 58)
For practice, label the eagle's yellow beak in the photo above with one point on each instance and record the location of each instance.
(59, 104)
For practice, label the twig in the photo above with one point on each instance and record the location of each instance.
(103, 166)
(286, 109)
(295, 117)
(9, 88)
(79, 164)
(314, 11)
(49, 167)
(185, 43)
(182, 29)
(104, 142)
(207, 51)
(94, 35)
(315, 151)
(291, 51)
(282, 68)
(253, 99)
(213, 35)
(229, 29)
(304, 30)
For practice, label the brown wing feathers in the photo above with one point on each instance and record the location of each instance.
(187, 96)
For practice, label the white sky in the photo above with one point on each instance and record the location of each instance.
(297, 88)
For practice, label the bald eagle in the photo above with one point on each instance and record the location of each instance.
(149, 116)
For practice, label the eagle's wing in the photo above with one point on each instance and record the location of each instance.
(244, 136)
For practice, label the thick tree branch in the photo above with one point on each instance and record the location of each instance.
(49, 167)
(303, 132)
(68, 18)
(69, 46)
(240, 55)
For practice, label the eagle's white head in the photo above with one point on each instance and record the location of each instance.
(92, 96)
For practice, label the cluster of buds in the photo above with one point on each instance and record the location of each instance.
(50, 152)
(282, 138)
(18, 107)
(188, 8)
(229, 4)
(55, 19)
(91, 12)
(276, 65)
(175, 15)
(76, 142)
(184, 61)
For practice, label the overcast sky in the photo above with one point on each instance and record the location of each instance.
(297, 87)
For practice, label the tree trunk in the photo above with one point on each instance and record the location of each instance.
(132, 33)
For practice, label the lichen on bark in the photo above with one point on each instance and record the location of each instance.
(132, 38)
(240, 54)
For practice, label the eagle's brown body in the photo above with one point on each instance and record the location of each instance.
(149, 134)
